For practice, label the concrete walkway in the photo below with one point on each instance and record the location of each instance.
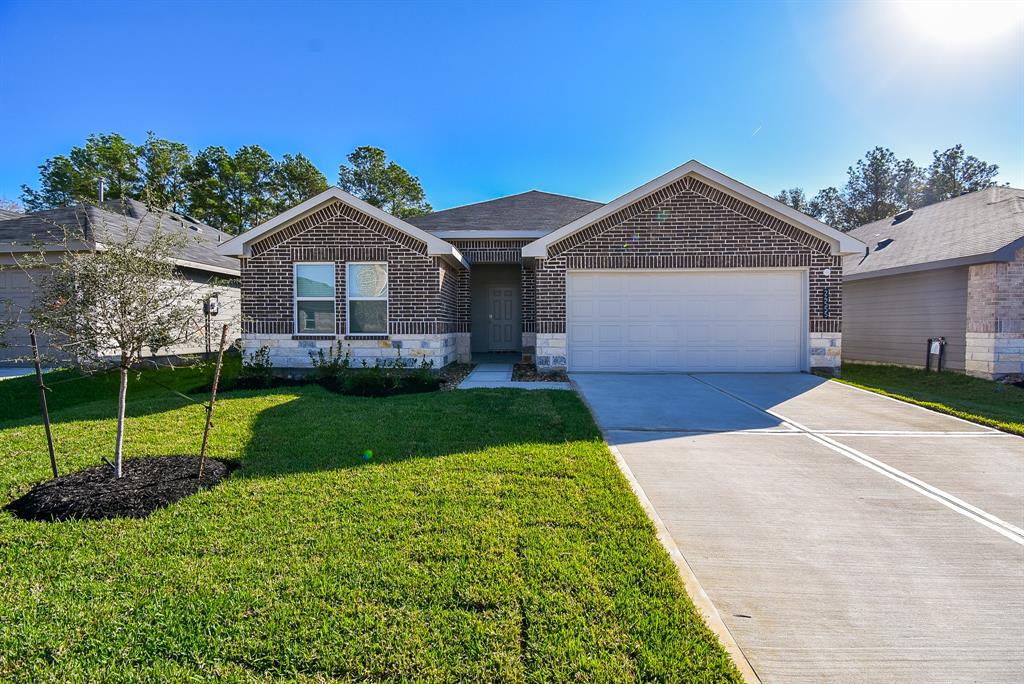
(491, 375)
(841, 536)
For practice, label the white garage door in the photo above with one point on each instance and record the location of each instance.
(685, 321)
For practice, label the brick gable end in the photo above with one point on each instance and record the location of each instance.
(690, 225)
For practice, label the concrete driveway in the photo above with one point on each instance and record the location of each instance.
(841, 535)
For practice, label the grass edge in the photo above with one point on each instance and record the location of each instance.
(938, 408)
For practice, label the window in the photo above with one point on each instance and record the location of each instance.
(314, 299)
(367, 286)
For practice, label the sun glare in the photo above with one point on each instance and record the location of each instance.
(961, 24)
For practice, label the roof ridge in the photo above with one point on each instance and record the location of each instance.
(514, 194)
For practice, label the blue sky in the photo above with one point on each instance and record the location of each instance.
(486, 99)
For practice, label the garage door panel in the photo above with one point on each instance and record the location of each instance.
(685, 321)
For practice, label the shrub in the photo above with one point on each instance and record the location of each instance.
(331, 366)
(257, 370)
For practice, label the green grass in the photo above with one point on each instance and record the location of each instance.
(489, 538)
(981, 401)
(19, 397)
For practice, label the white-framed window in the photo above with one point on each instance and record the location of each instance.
(366, 285)
(314, 299)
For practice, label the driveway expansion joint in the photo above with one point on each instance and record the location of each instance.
(1011, 532)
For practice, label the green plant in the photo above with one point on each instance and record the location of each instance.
(257, 370)
(333, 364)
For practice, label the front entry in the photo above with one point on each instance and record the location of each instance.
(503, 319)
(496, 308)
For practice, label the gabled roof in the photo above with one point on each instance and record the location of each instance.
(982, 226)
(841, 242)
(239, 245)
(89, 225)
(528, 214)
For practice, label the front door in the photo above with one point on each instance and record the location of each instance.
(502, 319)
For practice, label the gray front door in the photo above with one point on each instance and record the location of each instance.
(502, 319)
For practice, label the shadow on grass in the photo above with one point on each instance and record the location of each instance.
(149, 391)
(321, 431)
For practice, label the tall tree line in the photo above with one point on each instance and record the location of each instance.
(881, 184)
(230, 191)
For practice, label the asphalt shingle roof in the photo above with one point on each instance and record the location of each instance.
(9, 214)
(91, 223)
(967, 227)
(533, 210)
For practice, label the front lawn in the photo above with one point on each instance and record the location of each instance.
(982, 401)
(452, 536)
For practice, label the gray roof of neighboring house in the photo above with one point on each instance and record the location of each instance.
(9, 214)
(541, 212)
(90, 223)
(987, 225)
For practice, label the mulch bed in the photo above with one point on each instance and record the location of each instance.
(146, 485)
(527, 372)
(453, 374)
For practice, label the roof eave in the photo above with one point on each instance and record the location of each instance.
(1003, 254)
(238, 246)
(841, 243)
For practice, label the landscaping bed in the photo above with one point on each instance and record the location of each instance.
(527, 372)
(147, 484)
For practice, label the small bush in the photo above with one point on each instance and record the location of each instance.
(332, 365)
(257, 371)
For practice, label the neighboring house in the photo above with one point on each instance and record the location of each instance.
(954, 269)
(9, 214)
(690, 272)
(26, 234)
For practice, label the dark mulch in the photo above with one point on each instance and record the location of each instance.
(147, 484)
(527, 372)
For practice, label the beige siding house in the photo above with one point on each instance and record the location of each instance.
(953, 269)
(21, 234)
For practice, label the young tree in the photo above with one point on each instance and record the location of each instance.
(105, 307)
(373, 179)
(954, 172)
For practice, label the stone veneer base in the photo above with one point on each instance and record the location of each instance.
(288, 351)
(993, 355)
(824, 351)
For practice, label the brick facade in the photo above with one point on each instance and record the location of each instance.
(995, 319)
(686, 225)
(500, 251)
(423, 291)
(690, 225)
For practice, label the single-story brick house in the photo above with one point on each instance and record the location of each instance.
(692, 271)
(85, 227)
(954, 269)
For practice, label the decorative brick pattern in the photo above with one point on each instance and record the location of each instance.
(690, 225)
(689, 230)
(477, 251)
(423, 291)
(494, 251)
